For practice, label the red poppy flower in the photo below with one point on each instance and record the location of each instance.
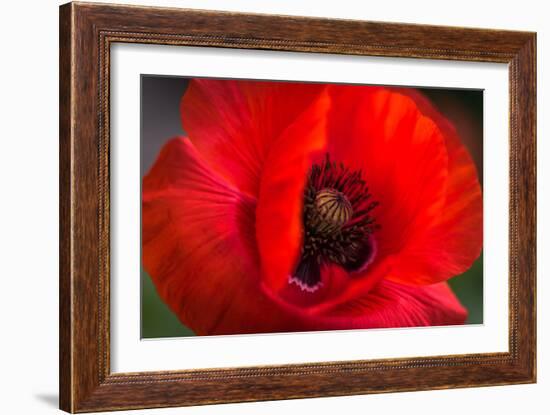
(294, 207)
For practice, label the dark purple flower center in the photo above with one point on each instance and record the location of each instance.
(337, 223)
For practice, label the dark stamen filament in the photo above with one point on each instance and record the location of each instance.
(337, 223)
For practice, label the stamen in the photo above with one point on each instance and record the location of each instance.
(337, 223)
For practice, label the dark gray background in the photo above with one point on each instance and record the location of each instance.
(160, 117)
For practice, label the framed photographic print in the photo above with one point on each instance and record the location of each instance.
(261, 207)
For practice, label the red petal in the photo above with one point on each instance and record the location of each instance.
(391, 304)
(455, 240)
(233, 123)
(402, 156)
(387, 305)
(430, 201)
(199, 246)
(279, 213)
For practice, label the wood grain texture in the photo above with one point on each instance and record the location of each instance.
(86, 33)
(65, 248)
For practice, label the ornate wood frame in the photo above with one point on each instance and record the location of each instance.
(86, 33)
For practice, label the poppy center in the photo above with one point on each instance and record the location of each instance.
(333, 207)
(337, 223)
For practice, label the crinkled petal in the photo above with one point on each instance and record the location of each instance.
(279, 226)
(387, 305)
(430, 208)
(455, 239)
(401, 154)
(391, 304)
(198, 246)
(233, 123)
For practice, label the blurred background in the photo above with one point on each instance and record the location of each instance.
(160, 121)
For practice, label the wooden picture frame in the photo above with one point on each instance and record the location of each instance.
(86, 33)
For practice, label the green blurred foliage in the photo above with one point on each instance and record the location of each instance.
(468, 287)
(156, 318)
